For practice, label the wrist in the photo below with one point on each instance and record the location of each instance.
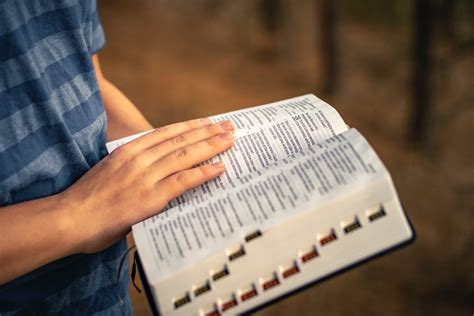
(68, 223)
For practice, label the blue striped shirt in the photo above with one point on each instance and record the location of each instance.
(52, 131)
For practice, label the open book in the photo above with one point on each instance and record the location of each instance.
(303, 197)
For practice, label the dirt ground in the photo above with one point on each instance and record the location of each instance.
(182, 59)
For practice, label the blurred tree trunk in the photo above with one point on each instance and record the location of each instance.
(213, 5)
(422, 67)
(327, 13)
(446, 16)
(270, 11)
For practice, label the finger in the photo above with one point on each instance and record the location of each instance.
(180, 182)
(186, 157)
(160, 135)
(161, 150)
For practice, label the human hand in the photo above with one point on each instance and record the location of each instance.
(138, 179)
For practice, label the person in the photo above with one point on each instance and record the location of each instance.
(65, 205)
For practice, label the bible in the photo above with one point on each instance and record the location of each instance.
(304, 197)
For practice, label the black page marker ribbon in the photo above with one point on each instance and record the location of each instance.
(134, 268)
(134, 272)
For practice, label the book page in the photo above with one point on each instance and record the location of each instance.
(313, 118)
(187, 233)
(266, 135)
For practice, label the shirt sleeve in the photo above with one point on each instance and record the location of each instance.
(98, 36)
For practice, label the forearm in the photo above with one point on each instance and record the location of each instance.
(123, 117)
(99, 208)
(33, 234)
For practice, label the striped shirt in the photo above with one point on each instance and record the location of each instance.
(52, 131)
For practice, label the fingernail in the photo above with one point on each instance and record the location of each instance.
(218, 165)
(227, 126)
(205, 121)
(226, 136)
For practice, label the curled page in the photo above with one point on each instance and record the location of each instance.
(266, 135)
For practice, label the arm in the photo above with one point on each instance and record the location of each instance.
(123, 117)
(33, 234)
(101, 206)
(133, 183)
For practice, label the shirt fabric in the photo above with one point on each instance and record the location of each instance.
(52, 131)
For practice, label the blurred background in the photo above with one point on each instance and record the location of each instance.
(401, 72)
